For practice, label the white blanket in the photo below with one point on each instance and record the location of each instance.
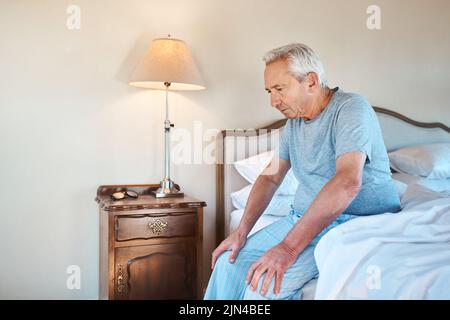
(389, 256)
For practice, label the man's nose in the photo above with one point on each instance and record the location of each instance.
(275, 100)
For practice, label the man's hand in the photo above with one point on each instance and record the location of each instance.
(234, 242)
(274, 262)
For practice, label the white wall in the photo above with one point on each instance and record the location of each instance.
(69, 122)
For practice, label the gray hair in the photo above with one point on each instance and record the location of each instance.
(302, 60)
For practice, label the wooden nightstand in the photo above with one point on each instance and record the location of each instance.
(150, 248)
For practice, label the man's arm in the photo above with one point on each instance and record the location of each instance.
(330, 202)
(262, 192)
(260, 195)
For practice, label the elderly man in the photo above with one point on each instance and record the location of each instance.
(333, 142)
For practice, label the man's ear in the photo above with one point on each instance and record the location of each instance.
(313, 80)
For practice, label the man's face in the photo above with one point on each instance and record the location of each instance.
(291, 97)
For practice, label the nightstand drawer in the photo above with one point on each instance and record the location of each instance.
(150, 226)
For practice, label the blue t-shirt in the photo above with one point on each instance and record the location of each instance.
(347, 124)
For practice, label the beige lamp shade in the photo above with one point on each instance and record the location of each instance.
(167, 60)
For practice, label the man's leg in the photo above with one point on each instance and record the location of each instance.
(227, 281)
(300, 273)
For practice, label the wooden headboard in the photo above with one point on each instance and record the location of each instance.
(398, 131)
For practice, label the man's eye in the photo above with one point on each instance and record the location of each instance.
(279, 89)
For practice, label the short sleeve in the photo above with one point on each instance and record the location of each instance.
(283, 146)
(353, 129)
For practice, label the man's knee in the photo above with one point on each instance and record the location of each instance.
(223, 258)
(223, 264)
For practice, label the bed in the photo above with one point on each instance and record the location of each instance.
(375, 272)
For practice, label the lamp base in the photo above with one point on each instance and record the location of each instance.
(167, 189)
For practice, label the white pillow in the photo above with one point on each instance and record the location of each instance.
(438, 185)
(239, 198)
(250, 168)
(280, 205)
(428, 160)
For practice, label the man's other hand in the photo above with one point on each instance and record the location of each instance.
(274, 263)
(234, 242)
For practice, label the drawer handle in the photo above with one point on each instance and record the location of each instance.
(157, 227)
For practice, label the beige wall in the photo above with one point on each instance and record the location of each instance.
(69, 122)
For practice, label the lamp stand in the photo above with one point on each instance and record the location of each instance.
(167, 188)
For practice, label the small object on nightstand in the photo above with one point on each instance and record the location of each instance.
(122, 194)
(150, 248)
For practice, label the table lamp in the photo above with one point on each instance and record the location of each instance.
(167, 65)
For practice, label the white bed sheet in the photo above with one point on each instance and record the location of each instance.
(389, 256)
